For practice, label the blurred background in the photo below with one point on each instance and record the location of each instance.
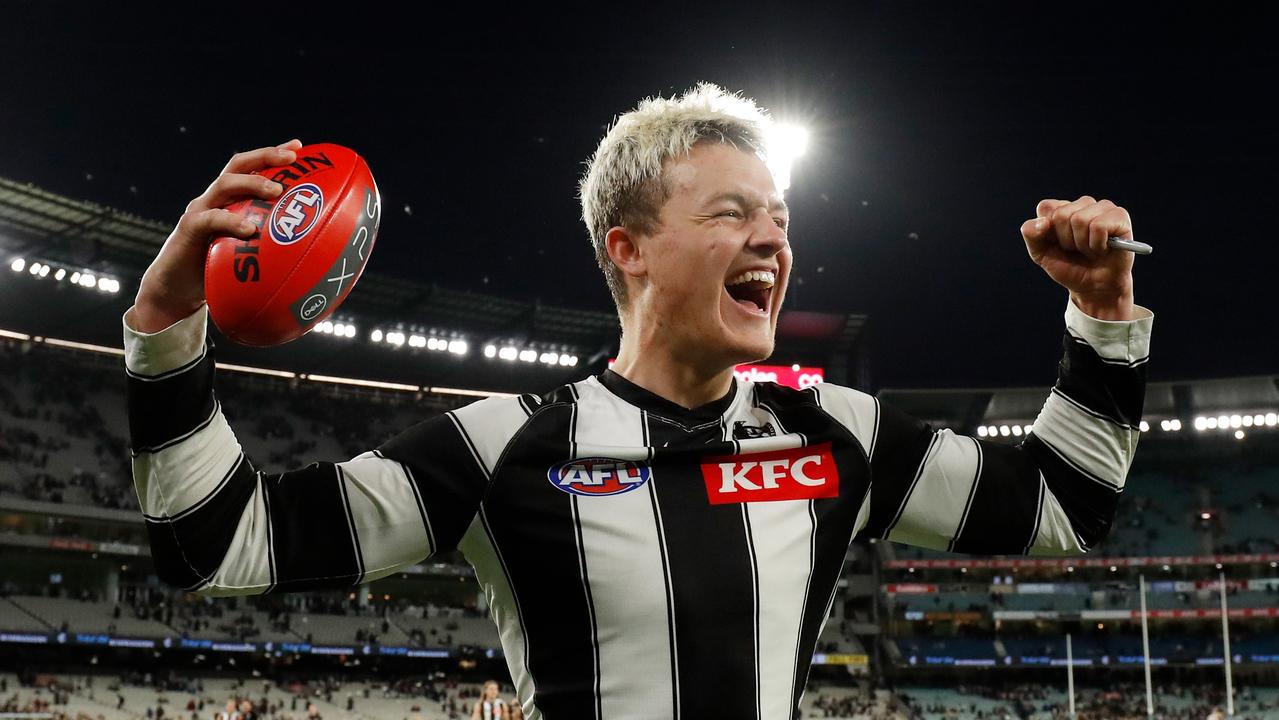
(931, 131)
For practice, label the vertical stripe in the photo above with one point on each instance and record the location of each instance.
(313, 544)
(504, 607)
(1005, 504)
(711, 578)
(933, 511)
(631, 606)
(783, 564)
(833, 520)
(531, 524)
(386, 513)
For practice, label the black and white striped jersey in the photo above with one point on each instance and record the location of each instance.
(640, 559)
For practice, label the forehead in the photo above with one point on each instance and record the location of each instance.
(711, 169)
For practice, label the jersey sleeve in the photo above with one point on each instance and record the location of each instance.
(1053, 493)
(218, 526)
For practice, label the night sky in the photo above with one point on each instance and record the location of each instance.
(936, 128)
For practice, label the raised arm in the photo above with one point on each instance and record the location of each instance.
(219, 526)
(1056, 491)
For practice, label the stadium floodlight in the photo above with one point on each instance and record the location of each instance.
(1239, 435)
(982, 431)
(419, 341)
(1017, 430)
(528, 355)
(1145, 426)
(1258, 420)
(1027, 428)
(458, 347)
(376, 336)
(1163, 425)
(1223, 422)
(44, 271)
(1210, 423)
(508, 353)
(87, 280)
(34, 269)
(1175, 424)
(1235, 421)
(395, 338)
(75, 278)
(1272, 419)
(18, 264)
(1247, 421)
(350, 330)
(572, 361)
(432, 343)
(61, 273)
(1005, 431)
(786, 143)
(1205, 515)
(490, 351)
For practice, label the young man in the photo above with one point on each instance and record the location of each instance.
(681, 556)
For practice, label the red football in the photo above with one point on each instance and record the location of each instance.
(310, 248)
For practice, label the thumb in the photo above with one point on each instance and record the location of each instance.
(1037, 236)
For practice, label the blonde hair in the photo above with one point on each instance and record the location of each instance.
(624, 182)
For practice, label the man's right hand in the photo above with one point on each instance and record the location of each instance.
(173, 286)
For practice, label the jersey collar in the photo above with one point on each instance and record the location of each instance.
(657, 405)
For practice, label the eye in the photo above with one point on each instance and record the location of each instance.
(781, 222)
(729, 213)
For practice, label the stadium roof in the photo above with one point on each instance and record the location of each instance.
(54, 228)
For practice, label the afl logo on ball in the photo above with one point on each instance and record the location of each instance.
(295, 213)
(598, 476)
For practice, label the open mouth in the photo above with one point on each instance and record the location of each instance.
(752, 290)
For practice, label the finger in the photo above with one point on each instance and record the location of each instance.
(1060, 220)
(1114, 222)
(1045, 207)
(230, 187)
(1081, 224)
(202, 226)
(250, 160)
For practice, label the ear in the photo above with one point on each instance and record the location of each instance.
(624, 251)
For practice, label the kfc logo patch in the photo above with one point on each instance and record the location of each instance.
(799, 474)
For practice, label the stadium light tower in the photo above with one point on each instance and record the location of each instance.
(787, 143)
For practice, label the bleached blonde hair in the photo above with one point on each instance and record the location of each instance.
(624, 183)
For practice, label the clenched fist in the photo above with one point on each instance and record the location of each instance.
(1069, 240)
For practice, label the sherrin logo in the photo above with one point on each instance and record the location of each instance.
(799, 474)
(295, 213)
(598, 476)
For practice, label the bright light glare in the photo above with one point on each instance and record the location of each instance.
(61, 273)
(457, 347)
(490, 351)
(508, 353)
(786, 143)
(376, 336)
(18, 264)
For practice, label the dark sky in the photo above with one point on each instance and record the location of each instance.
(945, 120)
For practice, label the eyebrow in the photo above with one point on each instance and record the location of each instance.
(774, 205)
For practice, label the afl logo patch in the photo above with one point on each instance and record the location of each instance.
(598, 476)
(295, 213)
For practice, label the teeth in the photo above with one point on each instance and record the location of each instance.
(763, 276)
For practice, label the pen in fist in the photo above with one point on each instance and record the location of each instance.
(1070, 241)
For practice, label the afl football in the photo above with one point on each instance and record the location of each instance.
(310, 248)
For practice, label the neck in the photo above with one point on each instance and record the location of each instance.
(685, 380)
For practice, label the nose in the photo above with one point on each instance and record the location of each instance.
(766, 238)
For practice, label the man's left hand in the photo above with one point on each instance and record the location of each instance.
(1070, 241)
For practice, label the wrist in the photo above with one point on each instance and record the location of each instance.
(1110, 307)
(150, 316)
